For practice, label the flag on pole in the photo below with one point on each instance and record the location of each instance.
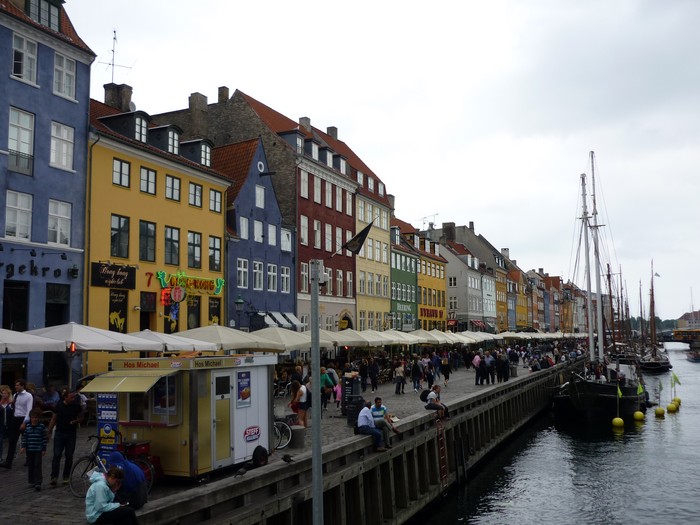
(640, 389)
(355, 244)
(619, 392)
(674, 379)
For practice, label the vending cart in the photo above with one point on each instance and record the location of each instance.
(198, 414)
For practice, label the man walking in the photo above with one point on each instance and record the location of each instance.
(23, 402)
(67, 416)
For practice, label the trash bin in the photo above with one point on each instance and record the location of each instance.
(513, 370)
(352, 409)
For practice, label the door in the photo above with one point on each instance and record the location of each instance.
(222, 424)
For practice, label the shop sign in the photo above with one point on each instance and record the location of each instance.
(251, 433)
(113, 275)
(193, 285)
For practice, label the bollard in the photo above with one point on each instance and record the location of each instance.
(298, 435)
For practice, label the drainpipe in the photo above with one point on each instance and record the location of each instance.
(88, 215)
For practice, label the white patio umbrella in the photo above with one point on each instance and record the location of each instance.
(405, 337)
(12, 342)
(176, 343)
(441, 336)
(426, 337)
(290, 339)
(386, 338)
(355, 338)
(231, 339)
(91, 338)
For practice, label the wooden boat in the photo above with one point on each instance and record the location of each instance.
(694, 356)
(651, 360)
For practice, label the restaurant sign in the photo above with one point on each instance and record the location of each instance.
(192, 285)
(113, 275)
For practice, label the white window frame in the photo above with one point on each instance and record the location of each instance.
(338, 239)
(205, 159)
(304, 184)
(242, 273)
(259, 196)
(24, 58)
(64, 76)
(243, 228)
(140, 129)
(348, 203)
(339, 283)
(285, 240)
(21, 134)
(257, 231)
(304, 275)
(285, 279)
(257, 275)
(173, 142)
(339, 199)
(271, 277)
(349, 286)
(303, 230)
(317, 234)
(361, 210)
(18, 214)
(370, 184)
(59, 222)
(271, 235)
(329, 194)
(62, 139)
(317, 189)
(215, 199)
(329, 238)
(380, 189)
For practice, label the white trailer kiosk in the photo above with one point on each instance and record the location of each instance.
(199, 414)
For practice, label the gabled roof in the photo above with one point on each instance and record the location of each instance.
(458, 248)
(403, 226)
(66, 32)
(234, 161)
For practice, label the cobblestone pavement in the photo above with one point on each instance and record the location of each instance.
(20, 504)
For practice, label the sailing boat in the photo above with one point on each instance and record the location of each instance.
(606, 389)
(653, 362)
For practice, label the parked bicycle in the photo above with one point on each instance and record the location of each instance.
(283, 431)
(83, 468)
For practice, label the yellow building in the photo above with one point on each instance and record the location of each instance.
(432, 285)
(155, 224)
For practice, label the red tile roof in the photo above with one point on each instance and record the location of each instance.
(458, 248)
(67, 32)
(234, 161)
(403, 226)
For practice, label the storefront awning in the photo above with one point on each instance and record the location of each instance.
(269, 321)
(126, 381)
(280, 319)
(478, 323)
(294, 320)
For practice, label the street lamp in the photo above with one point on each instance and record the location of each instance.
(238, 304)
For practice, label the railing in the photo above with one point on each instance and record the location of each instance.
(21, 163)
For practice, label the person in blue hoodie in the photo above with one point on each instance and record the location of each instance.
(134, 488)
(100, 506)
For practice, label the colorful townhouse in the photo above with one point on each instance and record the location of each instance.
(259, 253)
(405, 262)
(43, 143)
(517, 320)
(155, 223)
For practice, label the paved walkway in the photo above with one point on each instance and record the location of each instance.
(21, 504)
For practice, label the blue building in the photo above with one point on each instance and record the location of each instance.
(259, 256)
(45, 83)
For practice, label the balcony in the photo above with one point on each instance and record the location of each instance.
(21, 163)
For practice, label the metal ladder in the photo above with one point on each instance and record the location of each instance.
(442, 453)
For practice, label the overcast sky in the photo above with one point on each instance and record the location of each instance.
(468, 111)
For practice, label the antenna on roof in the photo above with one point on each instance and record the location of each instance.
(114, 51)
(425, 219)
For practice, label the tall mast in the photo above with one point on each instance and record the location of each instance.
(589, 302)
(612, 310)
(596, 255)
(652, 314)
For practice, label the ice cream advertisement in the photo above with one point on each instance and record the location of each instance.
(244, 391)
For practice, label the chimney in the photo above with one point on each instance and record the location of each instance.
(541, 271)
(305, 122)
(198, 102)
(471, 225)
(119, 96)
(448, 230)
(505, 252)
(223, 94)
(332, 131)
(199, 108)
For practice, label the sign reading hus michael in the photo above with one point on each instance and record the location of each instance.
(113, 276)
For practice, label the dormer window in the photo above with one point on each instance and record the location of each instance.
(141, 129)
(44, 12)
(206, 155)
(380, 189)
(343, 166)
(360, 178)
(300, 145)
(329, 158)
(370, 183)
(173, 142)
(314, 151)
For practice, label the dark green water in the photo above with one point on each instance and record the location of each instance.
(646, 474)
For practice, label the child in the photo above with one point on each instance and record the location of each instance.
(100, 506)
(338, 394)
(34, 444)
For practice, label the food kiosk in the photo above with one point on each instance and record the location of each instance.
(199, 414)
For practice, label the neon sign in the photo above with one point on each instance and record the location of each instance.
(189, 283)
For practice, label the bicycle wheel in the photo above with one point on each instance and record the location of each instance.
(285, 434)
(80, 476)
(276, 438)
(148, 470)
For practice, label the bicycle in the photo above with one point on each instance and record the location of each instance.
(84, 468)
(137, 452)
(282, 430)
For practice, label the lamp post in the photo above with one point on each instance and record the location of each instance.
(238, 305)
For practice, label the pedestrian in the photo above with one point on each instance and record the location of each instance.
(7, 412)
(382, 420)
(68, 414)
(399, 378)
(429, 374)
(365, 425)
(133, 490)
(23, 402)
(416, 374)
(446, 371)
(34, 446)
(100, 506)
(299, 401)
(327, 386)
(364, 371)
(373, 373)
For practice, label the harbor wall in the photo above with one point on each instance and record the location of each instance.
(361, 486)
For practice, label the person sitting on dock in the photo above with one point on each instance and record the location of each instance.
(434, 403)
(382, 420)
(365, 425)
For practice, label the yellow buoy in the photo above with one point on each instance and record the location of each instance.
(639, 415)
(677, 401)
(659, 411)
(671, 408)
(618, 422)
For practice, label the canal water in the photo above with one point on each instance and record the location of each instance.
(646, 474)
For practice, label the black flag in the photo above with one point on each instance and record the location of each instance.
(355, 244)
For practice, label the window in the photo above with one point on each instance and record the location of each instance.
(360, 178)
(24, 59)
(304, 277)
(338, 239)
(215, 201)
(339, 282)
(64, 76)
(119, 246)
(370, 212)
(343, 166)
(148, 180)
(361, 211)
(271, 277)
(380, 189)
(348, 236)
(370, 249)
(59, 222)
(370, 184)
(304, 230)
(172, 245)
(18, 215)
(329, 237)
(214, 254)
(385, 286)
(194, 249)
(349, 288)
(285, 240)
(257, 231)
(348, 203)
(452, 282)
(172, 188)
(317, 234)
(147, 241)
(385, 253)
(121, 173)
(242, 273)
(21, 141)
(362, 316)
(195, 195)
(317, 189)
(140, 129)
(300, 145)
(173, 142)
(257, 275)
(260, 196)
(338, 199)
(329, 195)
(370, 283)
(206, 155)
(44, 12)
(285, 279)
(329, 281)
(329, 158)
(314, 151)
(244, 231)
(271, 235)
(304, 184)
(361, 282)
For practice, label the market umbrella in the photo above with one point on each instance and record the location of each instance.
(352, 337)
(441, 336)
(176, 343)
(386, 338)
(405, 337)
(91, 338)
(231, 339)
(12, 342)
(290, 339)
(425, 336)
